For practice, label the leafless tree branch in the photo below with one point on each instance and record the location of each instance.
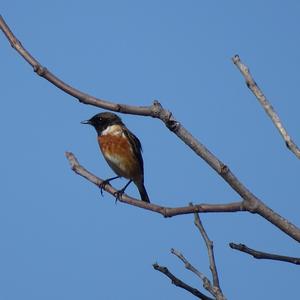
(264, 255)
(190, 267)
(251, 202)
(252, 85)
(212, 264)
(45, 73)
(180, 283)
(165, 211)
(206, 282)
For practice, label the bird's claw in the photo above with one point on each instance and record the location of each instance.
(103, 185)
(118, 195)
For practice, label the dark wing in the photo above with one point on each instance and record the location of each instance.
(136, 146)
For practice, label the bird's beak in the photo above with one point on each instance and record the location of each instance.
(86, 122)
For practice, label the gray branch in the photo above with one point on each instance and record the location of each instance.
(265, 255)
(206, 282)
(165, 211)
(252, 85)
(250, 201)
(212, 264)
(180, 283)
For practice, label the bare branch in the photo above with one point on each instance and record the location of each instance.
(212, 264)
(206, 282)
(45, 73)
(170, 212)
(252, 85)
(264, 255)
(180, 283)
(251, 203)
(165, 211)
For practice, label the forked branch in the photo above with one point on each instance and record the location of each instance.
(180, 283)
(212, 264)
(213, 288)
(251, 202)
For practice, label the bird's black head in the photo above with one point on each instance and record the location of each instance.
(101, 121)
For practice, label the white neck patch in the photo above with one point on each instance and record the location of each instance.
(113, 129)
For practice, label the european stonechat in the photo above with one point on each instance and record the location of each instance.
(121, 149)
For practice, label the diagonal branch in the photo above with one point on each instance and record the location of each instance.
(251, 202)
(42, 71)
(180, 283)
(165, 211)
(252, 85)
(206, 282)
(264, 255)
(212, 264)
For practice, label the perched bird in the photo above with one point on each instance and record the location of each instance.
(121, 149)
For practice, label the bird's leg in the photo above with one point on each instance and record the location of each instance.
(119, 193)
(105, 182)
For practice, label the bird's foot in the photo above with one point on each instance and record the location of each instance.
(105, 182)
(118, 195)
(103, 185)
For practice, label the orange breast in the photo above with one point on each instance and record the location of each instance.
(119, 155)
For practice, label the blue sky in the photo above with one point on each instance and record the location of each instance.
(59, 238)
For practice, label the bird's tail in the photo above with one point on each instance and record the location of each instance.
(143, 192)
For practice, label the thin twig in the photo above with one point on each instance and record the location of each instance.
(264, 255)
(212, 264)
(252, 85)
(165, 211)
(206, 282)
(252, 203)
(180, 283)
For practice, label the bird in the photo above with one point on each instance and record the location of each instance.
(122, 151)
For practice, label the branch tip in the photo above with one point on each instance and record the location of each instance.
(72, 160)
(176, 281)
(264, 255)
(235, 58)
(264, 102)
